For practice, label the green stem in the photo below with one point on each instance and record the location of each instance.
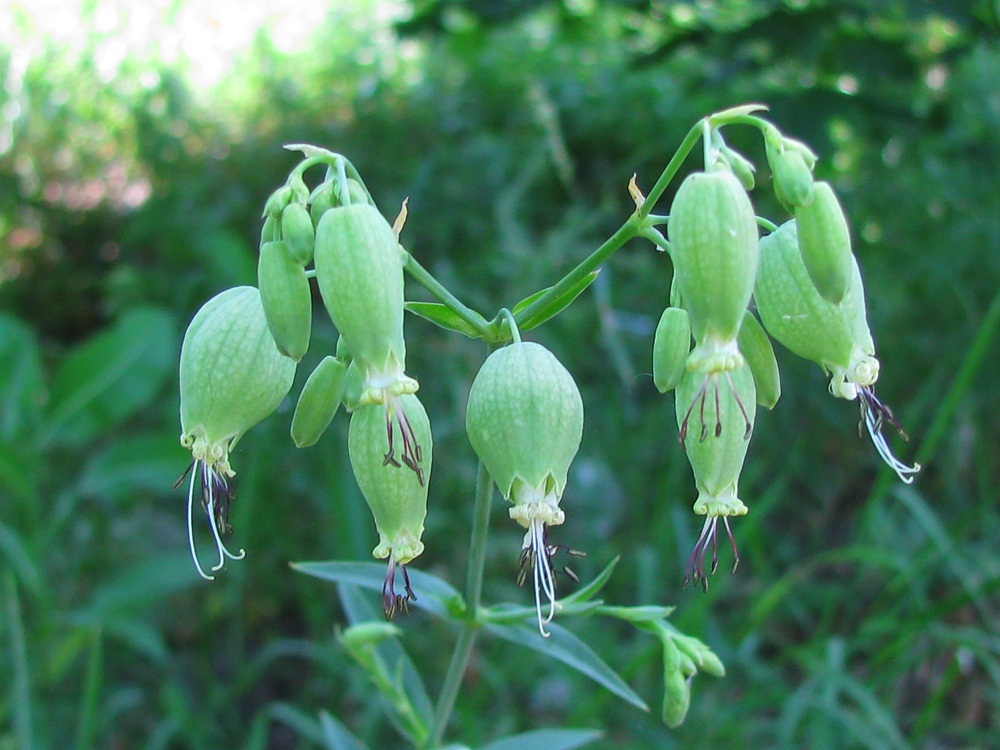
(767, 224)
(511, 324)
(432, 285)
(473, 596)
(671, 169)
(656, 238)
(626, 231)
(697, 130)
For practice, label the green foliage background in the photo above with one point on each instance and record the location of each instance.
(865, 612)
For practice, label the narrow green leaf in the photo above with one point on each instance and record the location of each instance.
(87, 724)
(570, 650)
(111, 376)
(443, 316)
(639, 614)
(546, 739)
(139, 634)
(555, 306)
(592, 589)
(19, 469)
(433, 595)
(336, 735)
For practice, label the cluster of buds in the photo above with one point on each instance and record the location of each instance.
(525, 421)
(805, 283)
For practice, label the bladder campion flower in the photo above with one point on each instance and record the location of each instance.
(525, 422)
(834, 336)
(398, 500)
(231, 377)
(716, 456)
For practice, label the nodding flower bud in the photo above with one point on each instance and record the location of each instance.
(319, 401)
(671, 347)
(825, 243)
(525, 422)
(231, 377)
(756, 348)
(834, 336)
(677, 686)
(793, 180)
(398, 499)
(298, 233)
(360, 273)
(285, 296)
(713, 232)
(715, 434)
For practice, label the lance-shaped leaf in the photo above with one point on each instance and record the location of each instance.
(545, 739)
(570, 650)
(554, 306)
(443, 316)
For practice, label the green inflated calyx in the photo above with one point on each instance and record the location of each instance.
(525, 421)
(231, 377)
(285, 296)
(834, 336)
(319, 401)
(298, 233)
(825, 243)
(360, 274)
(671, 347)
(759, 355)
(715, 433)
(398, 499)
(713, 234)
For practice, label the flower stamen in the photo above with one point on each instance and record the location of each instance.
(216, 496)
(874, 414)
(699, 399)
(694, 570)
(412, 453)
(391, 601)
(537, 553)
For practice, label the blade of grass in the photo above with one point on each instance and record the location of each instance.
(19, 657)
(91, 691)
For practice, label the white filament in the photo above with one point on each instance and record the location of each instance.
(541, 573)
(904, 472)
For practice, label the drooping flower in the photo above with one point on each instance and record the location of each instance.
(713, 433)
(398, 500)
(231, 377)
(835, 336)
(525, 422)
